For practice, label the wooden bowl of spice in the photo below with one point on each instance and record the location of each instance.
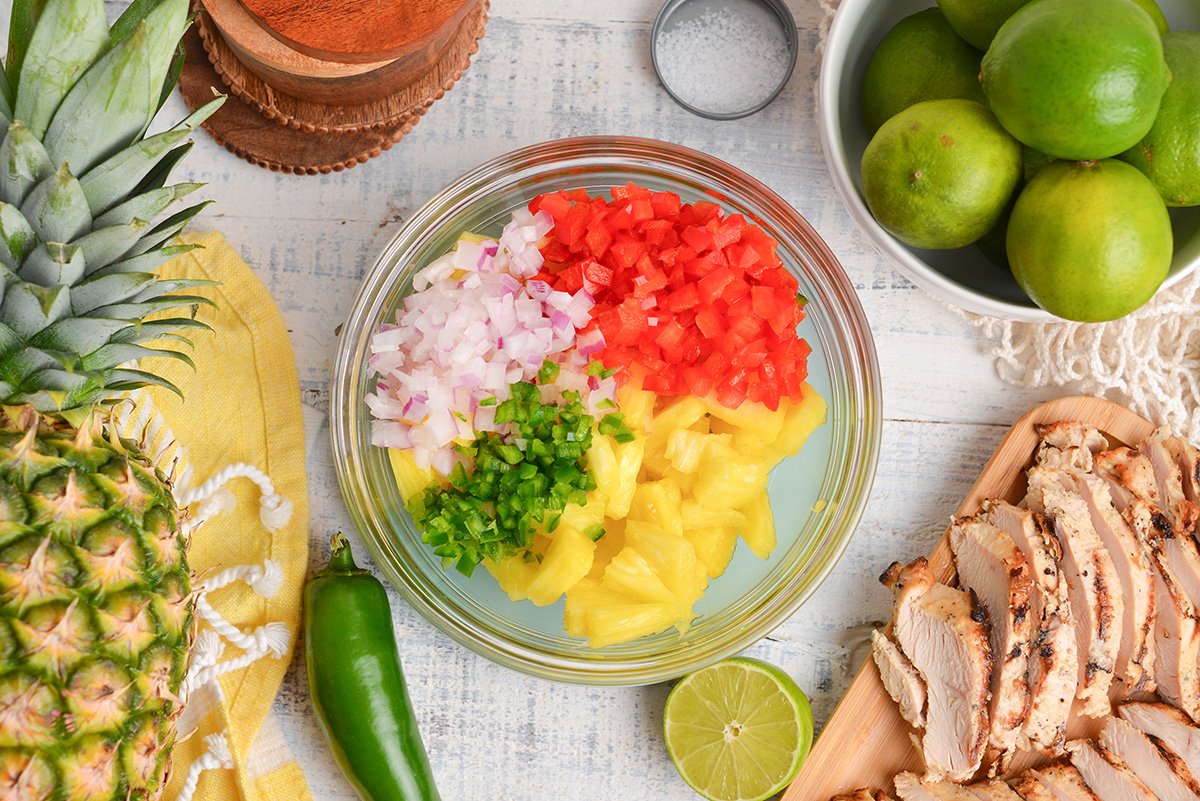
(342, 52)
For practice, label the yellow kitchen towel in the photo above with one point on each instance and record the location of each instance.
(240, 406)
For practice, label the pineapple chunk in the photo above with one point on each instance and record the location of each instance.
(673, 559)
(684, 449)
(606, 617)
(630, 574)
(602, 464)
(697, 515)
(609, 625)
(615, 468)
(678, 414)
(513, 574)
(588, 518)
(568, 560)
(759, 530)
(685, 481)
(714, 547)
(658, 502)
(411, 480)
(800, 420)
(726, 480)
(636, 403)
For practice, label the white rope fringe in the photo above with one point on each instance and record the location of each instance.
(1149, 360)
(218, 755)
(275, 510)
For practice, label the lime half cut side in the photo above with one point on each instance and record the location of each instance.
(738, 730)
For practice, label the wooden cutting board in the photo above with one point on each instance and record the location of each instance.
(866, 742)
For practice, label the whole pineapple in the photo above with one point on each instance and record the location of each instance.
(95, 602)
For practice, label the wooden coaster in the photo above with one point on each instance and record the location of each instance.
(285, 134)
(243, 130)
(355, 31)
(306, 115)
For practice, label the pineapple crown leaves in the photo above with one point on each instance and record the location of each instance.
(84, 199)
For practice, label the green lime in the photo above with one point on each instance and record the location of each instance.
(738, 730)
(921, 58)
(1160, 21)
(1077, 79)
(1169, 154)
(939, 174)
(1089, 240)
(978, 20)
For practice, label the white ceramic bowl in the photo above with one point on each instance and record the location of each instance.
(963, 277)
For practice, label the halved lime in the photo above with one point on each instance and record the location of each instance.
(738, 730)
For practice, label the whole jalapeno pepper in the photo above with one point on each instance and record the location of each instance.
(357, 686)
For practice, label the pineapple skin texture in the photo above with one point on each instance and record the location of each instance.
(96, 618)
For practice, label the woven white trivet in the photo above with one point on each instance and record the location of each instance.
(1148, 361)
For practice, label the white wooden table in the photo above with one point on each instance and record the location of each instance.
(548, 69)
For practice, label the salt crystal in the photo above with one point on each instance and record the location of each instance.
(728, 58)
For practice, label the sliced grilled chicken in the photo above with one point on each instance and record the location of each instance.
(900, 678)
(1187, 456)
(1130, 475)
(1080, 440)
(1170, 726)
(909, 787)
(1054, 656)
(1176, 629)
(1030, 788)
(942, 632)
(1182, 513)
(1064, 783)
(995, 570)
(1092, 585)
(1135, 657)
(1162, 770)
(863, 794)
(993, 790)
(1107, 774)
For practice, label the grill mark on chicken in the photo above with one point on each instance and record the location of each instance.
(1053, 659)
(996, 572)
(863, 794)
(1168, 475)
(1030, 788)
(1106, 774)
(911, 788)
(1065, 783)
(938, 629)
(1161, 770)
(1170, 727)
(1096, 602)
(993, 790)
(1135, 656)
(1176, 628)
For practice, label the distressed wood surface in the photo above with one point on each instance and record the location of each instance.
(548, 69)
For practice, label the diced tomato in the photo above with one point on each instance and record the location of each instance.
(712, 285)
(698, 238)
(666, 205)
(597, 274)
(555, 204)
(598, 239)
(686, 297)
(698, 301)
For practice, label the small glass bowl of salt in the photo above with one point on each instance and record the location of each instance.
(724, 59)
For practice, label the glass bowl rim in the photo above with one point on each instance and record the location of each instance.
(854, 339)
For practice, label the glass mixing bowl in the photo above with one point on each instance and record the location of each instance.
(817, 496)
